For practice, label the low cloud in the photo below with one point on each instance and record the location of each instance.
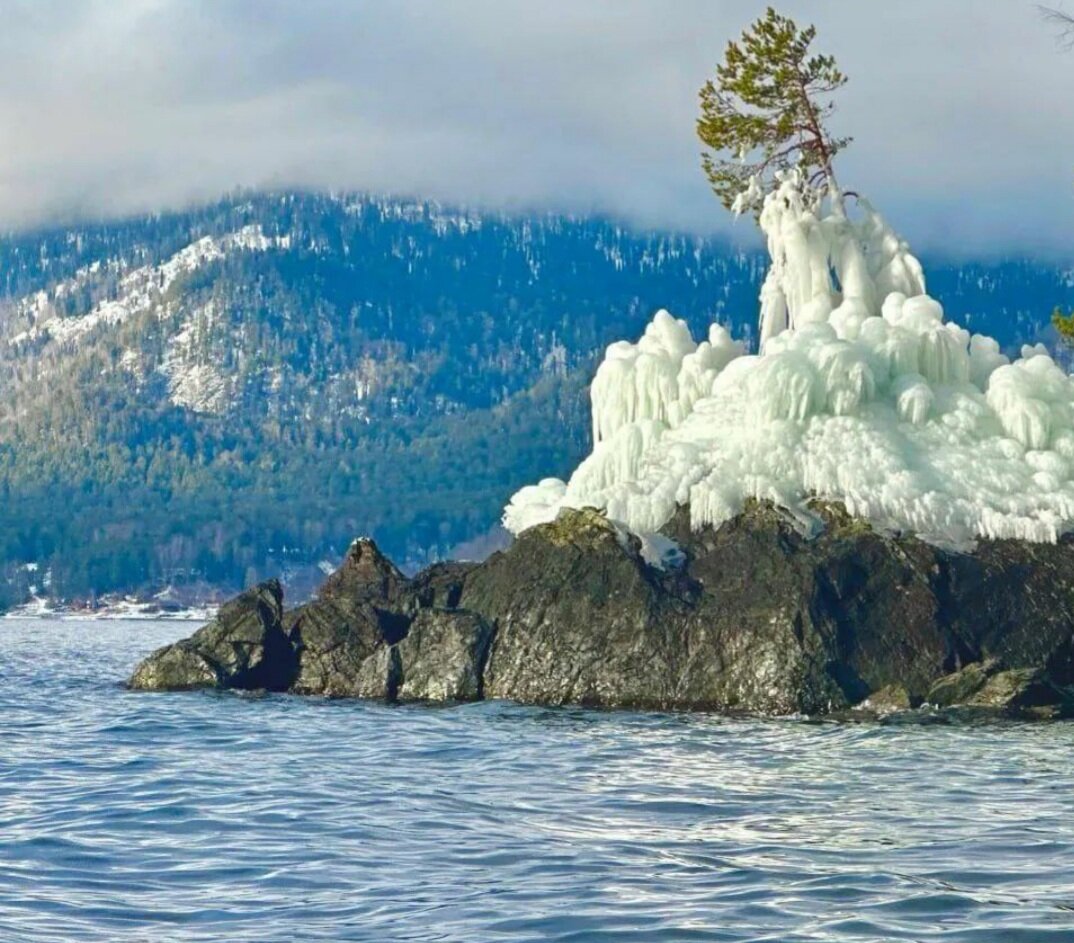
(959, 113)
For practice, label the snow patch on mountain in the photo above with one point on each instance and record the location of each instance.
(201, 388)
(139, 291)
(195, 381)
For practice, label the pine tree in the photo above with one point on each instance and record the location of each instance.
(1064, 325)
(766, 111)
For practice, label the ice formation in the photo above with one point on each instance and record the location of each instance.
(861, 393)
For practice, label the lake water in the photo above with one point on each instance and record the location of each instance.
(159, 817)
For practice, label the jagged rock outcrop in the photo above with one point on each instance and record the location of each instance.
(1028, 691)
(440, 585)
(757, 617)
(443, 656)
(582, 619)
(341, 637)
(244, 647)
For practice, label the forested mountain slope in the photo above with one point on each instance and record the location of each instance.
(213, 396)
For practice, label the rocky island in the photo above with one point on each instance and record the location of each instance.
(874, 509)
(756, 617)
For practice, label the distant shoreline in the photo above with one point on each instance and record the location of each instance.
(125, 612)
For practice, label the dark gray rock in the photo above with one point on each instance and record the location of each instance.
(377, 677)
(443, 656)
(1006, 689)
(758, 619)
(959, 686)
(892, 698)
(244, 647)
(1017, 692)
(178, 667)
(862, 606)
(758, 616)
(1016, 689)
(359, 610)
(582, 619)
(440, 585)
(761, 617)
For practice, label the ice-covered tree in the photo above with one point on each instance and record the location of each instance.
(767, 111)
(861, 392)
(765, 119)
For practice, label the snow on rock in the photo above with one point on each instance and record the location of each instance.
(862, 393)
(194, 380)
(201, 389)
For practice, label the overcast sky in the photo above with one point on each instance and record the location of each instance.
(960, 109)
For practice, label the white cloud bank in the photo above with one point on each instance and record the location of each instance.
(959, 108)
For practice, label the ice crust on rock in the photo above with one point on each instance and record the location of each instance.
(861, 393)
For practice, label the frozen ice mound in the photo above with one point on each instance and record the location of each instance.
(862, 393)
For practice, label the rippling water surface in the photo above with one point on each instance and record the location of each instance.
(158, 817)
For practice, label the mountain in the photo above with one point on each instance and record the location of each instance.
(200, 400)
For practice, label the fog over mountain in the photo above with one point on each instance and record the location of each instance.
(579, 106)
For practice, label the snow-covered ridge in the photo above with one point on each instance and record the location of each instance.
(139, 290)
(862, 393)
